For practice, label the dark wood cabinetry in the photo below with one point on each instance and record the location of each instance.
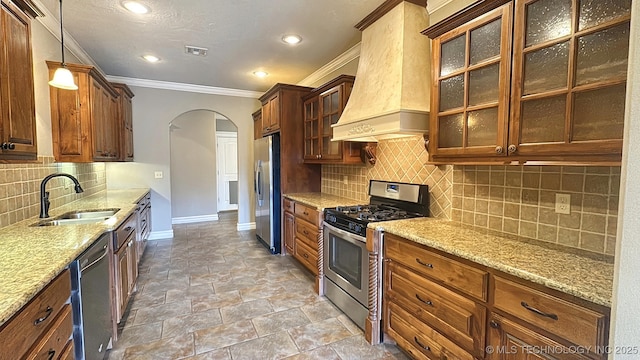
(530, 80)
(124, 121)
(271, 114)
(17, 103)
(83, 122)
(289, 232)
(257, 124)
(126, 266)
(322, 108)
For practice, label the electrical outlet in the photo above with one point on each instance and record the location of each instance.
(563, 204)
(158, 175)
(345, 179)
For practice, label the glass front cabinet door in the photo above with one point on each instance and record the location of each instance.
(530, 80)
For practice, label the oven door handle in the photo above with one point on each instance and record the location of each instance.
(347, 236)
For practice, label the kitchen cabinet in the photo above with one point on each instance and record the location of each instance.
(289, 226)
(43, 326)
(17, 102)
(257, 124)
(83, 122)
(284, 103)
(438, 306)
(143, 228)
(556, 94)
(322, 108)
(124, 121)
(125, 266)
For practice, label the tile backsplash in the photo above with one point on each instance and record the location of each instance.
(517, 200)
(20, 186)
(521, 200)
(401, 160)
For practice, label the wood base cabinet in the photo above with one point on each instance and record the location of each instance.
(125, 267)
(289, 227)
(143, 228)
(17, 102)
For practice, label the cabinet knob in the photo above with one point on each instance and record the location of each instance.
(512, 148)
(320, 156)
(499, 149)
(494, 324)
(8, 146)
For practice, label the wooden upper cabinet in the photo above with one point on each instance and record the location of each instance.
(322, 108)
(271, 114)
(83, 121)
(257, 124)
(17, 103)
(124, 121)
(556, 94)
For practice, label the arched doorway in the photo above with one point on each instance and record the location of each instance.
(197, 164)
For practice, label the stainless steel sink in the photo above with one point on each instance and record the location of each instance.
(79, 217)
(88, 214)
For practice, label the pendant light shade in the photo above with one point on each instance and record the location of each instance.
(63, 78)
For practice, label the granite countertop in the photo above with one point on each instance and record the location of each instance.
(321, 201)
(32, 256)
(563, 269)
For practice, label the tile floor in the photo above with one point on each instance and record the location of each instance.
(212, 292)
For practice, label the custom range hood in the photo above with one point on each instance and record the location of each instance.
(390, 97)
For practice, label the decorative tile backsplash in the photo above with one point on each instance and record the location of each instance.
(512, 199)
(401, 160)
(521, 200)
(20, 186)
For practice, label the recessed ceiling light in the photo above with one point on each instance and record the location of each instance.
(151, 58)
(136, 7)
(291, 39)
(260, 73)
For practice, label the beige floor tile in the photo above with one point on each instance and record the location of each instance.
(190, 293)
(215, 301)
(356, 347)
(162, 312)
(219, 354)
(245, 310)
(321, 353)
(271, 347)
(184, 324)
(224, 335)
(321, 310)
(276, 322)
(173, 348)
(317, 334)
(139, 334)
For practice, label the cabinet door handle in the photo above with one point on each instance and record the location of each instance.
(305, 213)
(428, 302)
(48, 312)
(494, 324)
(51, 354)
(130, 243)
(512, 148)
(499, 149)
(541, 313)
(415, 338)
(128, 228)
(305, 255)
(430, 266)
(306, 232)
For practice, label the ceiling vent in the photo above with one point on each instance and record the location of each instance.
(197, 51)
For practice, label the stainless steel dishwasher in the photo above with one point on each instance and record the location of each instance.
(91, 301)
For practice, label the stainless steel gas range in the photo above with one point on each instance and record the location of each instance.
(347, 263)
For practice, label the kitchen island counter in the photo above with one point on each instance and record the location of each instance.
(32, 256)
(321, 201)
(571, 271)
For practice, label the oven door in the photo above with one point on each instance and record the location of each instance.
(346, 262)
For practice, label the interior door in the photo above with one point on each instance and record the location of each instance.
(227, 157)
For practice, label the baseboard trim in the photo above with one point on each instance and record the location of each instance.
(159, 235)
(194, 219)
(246, 226)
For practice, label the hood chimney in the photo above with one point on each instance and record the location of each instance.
(390, 96)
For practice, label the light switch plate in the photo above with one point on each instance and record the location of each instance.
(158, 175)
(563, 204)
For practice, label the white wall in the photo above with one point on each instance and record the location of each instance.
(625, 314)
(153, 110)
(193, 165)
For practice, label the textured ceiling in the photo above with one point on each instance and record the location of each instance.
(242, 36)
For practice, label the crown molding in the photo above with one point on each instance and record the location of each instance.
(49, 21)
(335, 64)
(201, 89)
(435, 5)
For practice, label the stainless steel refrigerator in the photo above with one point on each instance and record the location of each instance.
(267, 191)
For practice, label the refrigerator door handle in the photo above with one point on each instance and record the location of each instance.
(259, 183)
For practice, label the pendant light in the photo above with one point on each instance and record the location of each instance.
(63, 78)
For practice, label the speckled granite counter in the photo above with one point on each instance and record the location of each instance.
(321, 201)
(587, 277)
(31, 256)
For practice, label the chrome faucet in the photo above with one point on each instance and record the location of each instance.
(44, 195)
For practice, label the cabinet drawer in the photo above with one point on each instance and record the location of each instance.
(34, 319)
(307, 213)
(54, 341)
(288, 205)
(579, 325)
(422, 341)
(451, 314)
(67, 352)
(453, 273)
(307, 256)
(308, 233)
(124, 230)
